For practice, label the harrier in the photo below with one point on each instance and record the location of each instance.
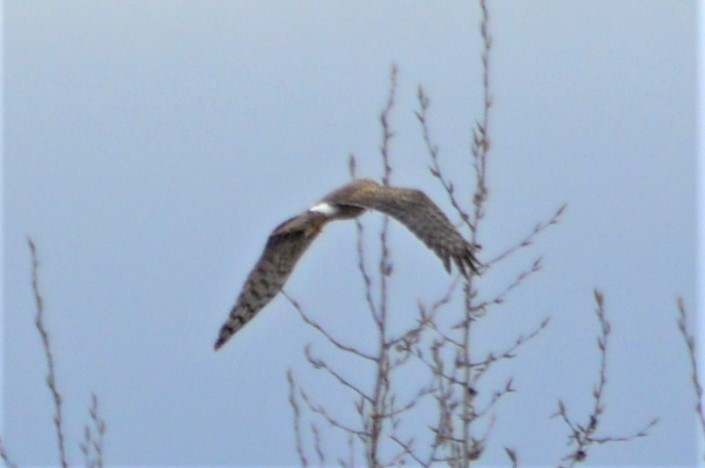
(290, 239)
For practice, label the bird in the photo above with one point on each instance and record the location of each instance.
(289, 240)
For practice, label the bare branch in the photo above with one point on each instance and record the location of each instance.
(352, 166)
(387, 132)
(362, 267)
(510, 352)
(433, 151)
(582, 436)
(530, 238)
(309, 321)
(318, 363)
(480, 133)
(49, 356)
(380, 394)
(407, 448)
(481, 307)
(321, 411)
(496, 397)
(468, 450)
(643, 432)
(317, 444)
(297, 418)
(511, 453)
(693, 357)
(94, 435)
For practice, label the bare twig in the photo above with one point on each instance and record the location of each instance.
(362, 267)
(510, 352)
(319, 328)
(86, 445)
(408, 449)
(529, 239)
(387, 132)
(380, 395)
(480, 308)
(333, 421)
(582, 436)
(352, 166)
(480, 133)
(693, 357)
(433, 151)
(99, 428)
(317, 444)
(511, 453)
(49, 356)
(319, 363)
(297, 418)
(480, 149)
(92, 445)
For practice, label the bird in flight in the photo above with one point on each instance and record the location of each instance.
(290, 240)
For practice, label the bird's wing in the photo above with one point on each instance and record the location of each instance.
(284, 247)
(419, 214)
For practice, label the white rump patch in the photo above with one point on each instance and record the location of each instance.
(324, 208)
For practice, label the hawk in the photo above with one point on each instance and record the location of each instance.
(290, 240)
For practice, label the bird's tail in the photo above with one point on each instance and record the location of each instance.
(239, 316)
(260, 288)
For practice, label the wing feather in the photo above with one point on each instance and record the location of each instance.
(419, 214)
(283, 250)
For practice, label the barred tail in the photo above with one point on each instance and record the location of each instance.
(255, 296)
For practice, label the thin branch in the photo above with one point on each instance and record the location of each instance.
(481, 307)
(643, 432)
(321, 411)
(93, 436)
(496, 397)
(693, 357)
(49, 356)
(480, 133)
(360, 246)
(408, 450)
(99, 428)
(318, 327)
(352, 166)
(86, 445)
(380, 393)
(412, 337)
(362, 267)
(409, 405)
(433, 151)
(318, 363)
(511, 453)
(510, 352)
(427, 316)
(387, 132)
(530, 238)
(297, 418)
(317, 444)
(480, 147)
(582, 436)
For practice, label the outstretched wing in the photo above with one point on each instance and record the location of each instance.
(418, 213)
(284, 247)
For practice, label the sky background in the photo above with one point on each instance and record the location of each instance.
(150, 148)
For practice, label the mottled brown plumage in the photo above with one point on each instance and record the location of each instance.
(290, 239)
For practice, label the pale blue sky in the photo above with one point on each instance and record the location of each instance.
(150, 147)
